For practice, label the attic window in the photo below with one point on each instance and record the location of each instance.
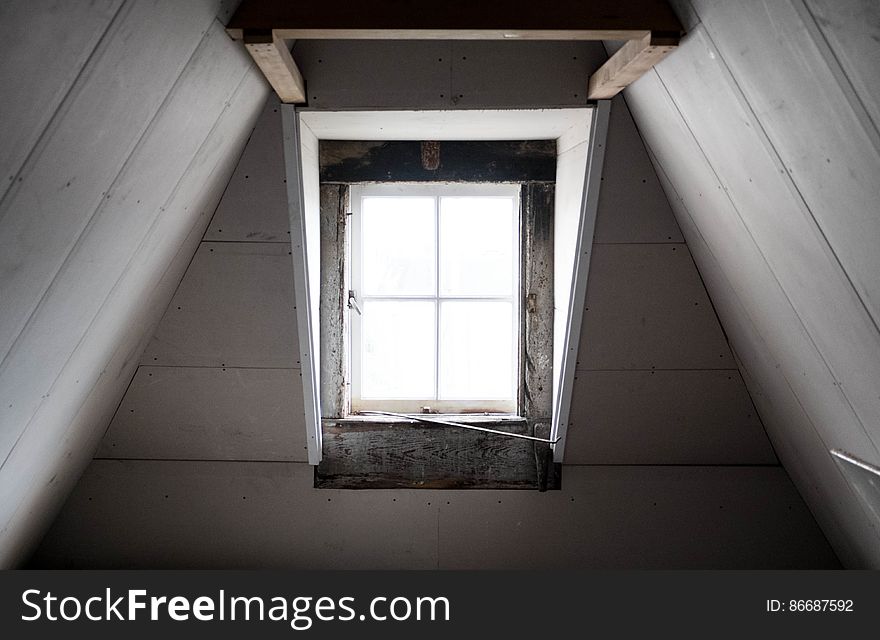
(436, 297)
(435, 280)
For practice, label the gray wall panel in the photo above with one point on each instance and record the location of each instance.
(234, 308)
(632, 206)
(266, 515)
(665, 417)
(254, 206)
(209, 414)
(241, 514)
(647, 308)
(638, 517)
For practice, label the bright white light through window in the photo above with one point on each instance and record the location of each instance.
(435, 271)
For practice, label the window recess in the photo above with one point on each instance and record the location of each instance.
(437, 297)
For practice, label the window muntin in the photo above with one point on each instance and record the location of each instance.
(435, 270)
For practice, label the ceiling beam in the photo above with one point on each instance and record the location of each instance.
(271, 54)
(650, 28)
(630, 62)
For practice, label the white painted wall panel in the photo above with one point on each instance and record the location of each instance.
(36, 77)
(783, 228)
(49, 458)
(136, 199)
(793, 433)
(664, 417)
(852, 30)
(82, 388)
(832, 159)
(209, 414)
(696, 186)
(105, 114)
(747, 95)
(235, 308)
(640, 297)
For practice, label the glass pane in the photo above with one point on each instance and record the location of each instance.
(476, 246)
(398, 246)
(476, 350)
(397, 351)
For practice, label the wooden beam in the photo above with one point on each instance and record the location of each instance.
(402, 455)
(629, 63)
(349, 161)
(456, 19)
(271, 54)
(328, 33)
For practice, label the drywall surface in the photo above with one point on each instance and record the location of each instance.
(764, 130)
(121, 125)
(204, 463)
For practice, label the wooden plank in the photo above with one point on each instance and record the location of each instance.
(832, 168)
(646, 308)
(536, 309)
(367, 455)
(118, 226)
(787, 234)
(273, 57)
(234, 307)
(629, 63)
(36, 77)
(786, 376)
(195, 413)
(456, 19)
(664, 417)
(335, 238)
(149, 45)
(632, 205)
(254, 205)
(850, 28)
(460, 161)
(49, 457)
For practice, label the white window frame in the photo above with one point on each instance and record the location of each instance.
(580, 133)
(436, 191)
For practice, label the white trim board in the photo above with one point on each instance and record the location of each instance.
(580, 135)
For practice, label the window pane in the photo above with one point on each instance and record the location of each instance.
(476, 350)
(476, 246)
(397, 351)
(398, 246)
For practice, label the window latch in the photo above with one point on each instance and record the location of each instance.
(352, 302)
